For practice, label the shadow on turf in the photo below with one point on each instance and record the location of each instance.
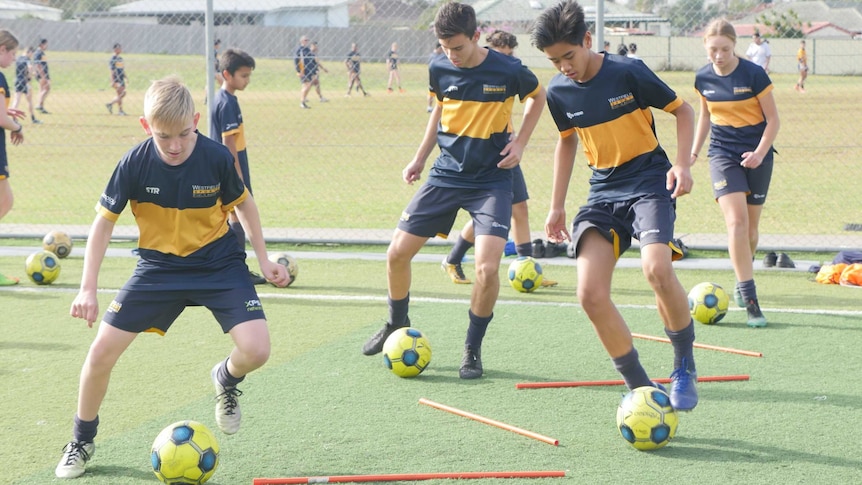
(127, 472)
(737, 451)
(450, 374)
(38, 346)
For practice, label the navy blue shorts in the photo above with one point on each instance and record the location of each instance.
(155, 311)
(728, 177)
(649, 219)
(519, 186)
(433, 209)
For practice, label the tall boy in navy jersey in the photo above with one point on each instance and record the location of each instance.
(475, 89)
(738, 112)
(181, 187)
(605, 100)
(226, 126)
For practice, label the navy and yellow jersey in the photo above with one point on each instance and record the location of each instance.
(41, 60)
(311, 66)
(612, 117)
(4, 162)
(392, 57)
(182, 213)
(22, 69)
(118, 68)
(226, 120)
(300, 59)
(733, 102)
(353, 61)
(475, 124)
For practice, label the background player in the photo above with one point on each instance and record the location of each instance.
(118, 80)
(738, 110)
(227, 127)
(23, 76)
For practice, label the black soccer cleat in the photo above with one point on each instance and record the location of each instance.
(374, 345)
(471, 363)
(770, 259)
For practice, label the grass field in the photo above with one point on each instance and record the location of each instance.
(338, 165)
(321, 408)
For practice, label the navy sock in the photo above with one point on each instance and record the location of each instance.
(398, 311)
(459, 250)
(525, 249)
(239, 232)
(632, 371)
(476, 330)
(225, 378)
(683, 346)
(748, 290)
(85, 430)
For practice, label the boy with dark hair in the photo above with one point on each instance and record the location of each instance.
(605, 100)
(226, 126)
(354, 69)
(472, 172)
(504, 43)
(181, 187)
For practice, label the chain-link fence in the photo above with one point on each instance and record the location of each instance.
(332, 172)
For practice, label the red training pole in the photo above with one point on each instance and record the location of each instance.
(481, 419)
(661, 380)
(407, 477)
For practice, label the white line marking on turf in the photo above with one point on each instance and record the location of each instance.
(460, 301)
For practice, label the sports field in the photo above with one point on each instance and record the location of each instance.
(319, 407)
(338, 165)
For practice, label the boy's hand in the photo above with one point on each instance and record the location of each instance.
(555, 226)
(512, 154)
(275, 273)
(679, 180)
(85, 306)
(15, 114)
(413, 171)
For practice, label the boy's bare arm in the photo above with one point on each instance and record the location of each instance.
(86, 305)
(679, 178)
(514, 151)
(249, 217)
(413, 171)
(230, 142)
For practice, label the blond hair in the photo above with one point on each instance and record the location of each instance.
(720, 27)
(8, 40)
(168, 103)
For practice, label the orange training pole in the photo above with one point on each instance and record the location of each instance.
(476, 417)
(406, 477)
(661, 380)
(748, 353)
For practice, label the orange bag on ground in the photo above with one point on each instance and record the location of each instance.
(830, 274)
(852, 275)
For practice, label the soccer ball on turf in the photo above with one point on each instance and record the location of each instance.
(43, 267)
(288, 262)
(185, 452)
(708, 303)
(406, 352)
(58, 242)
(646, 419)
(525, 274)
